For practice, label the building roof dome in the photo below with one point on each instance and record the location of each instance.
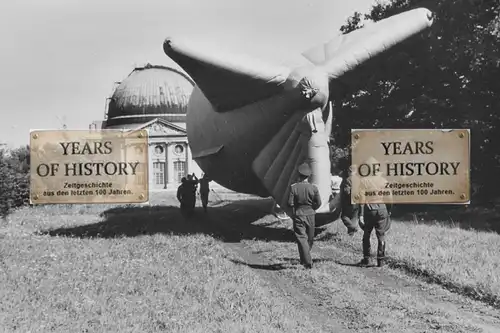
(150, 92)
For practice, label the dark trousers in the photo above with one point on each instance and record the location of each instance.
(204, 200)
(187, 205)
(303, 226)
(379, 220)
(184, 210)
(349, 216)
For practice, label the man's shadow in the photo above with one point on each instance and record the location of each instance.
(232, 222)
(356, 264)
(270, 267)
(289, 263)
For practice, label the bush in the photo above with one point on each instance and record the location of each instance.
(338, 157)
(14, 179)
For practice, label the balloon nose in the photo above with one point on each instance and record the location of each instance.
(167, 45)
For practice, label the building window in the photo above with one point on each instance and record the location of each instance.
(179, 170)
(159, 150)
(140, 178)
(179, 149)
(159, 173)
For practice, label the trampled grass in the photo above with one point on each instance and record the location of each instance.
(467, 261)
(124, 280)
(149, 270)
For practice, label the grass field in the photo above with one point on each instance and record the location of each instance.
(466, 261)
(109, 282)
(463, 260)
(94, 269)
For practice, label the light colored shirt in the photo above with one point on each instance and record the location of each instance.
(335, 182)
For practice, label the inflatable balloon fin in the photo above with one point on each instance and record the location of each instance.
(267, 156)
(228, 81)
(276, 165)
(303, 138)
(289, 175)
(345, 53)
(318, 154)
(329, 118)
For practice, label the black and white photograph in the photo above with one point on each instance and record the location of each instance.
(250, 166)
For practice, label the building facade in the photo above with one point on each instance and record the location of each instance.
(155, 98)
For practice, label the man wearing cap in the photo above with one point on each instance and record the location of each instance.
(190, 194)
(181, 190)
(374, 214)
(204, 191)
(304, 199)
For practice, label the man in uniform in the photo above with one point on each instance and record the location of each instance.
(304, 199)
(374, 215)
(204, 191)
(181, 195)
(192, 184)
(335, 182)
(350, 212)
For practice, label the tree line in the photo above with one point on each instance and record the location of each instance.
(14, 179)
(445, 78)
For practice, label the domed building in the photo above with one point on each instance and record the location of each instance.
(155, 98)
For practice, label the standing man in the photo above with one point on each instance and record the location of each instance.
(191, 185)
(335, 182)
(181, 195)
(374, 215)
(350, 212)
(204, 191)
(304, 199)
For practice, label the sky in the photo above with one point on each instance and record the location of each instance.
(59, 59)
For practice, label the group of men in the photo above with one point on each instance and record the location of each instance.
(304, 199)
(186, 193)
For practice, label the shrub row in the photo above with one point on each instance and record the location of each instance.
(14, 179)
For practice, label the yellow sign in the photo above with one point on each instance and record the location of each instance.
(82, 166)
(410, 166)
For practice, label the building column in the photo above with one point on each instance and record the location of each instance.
(170, 164)
(165, 165)
(151, 180)
(188, 159)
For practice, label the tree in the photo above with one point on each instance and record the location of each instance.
(14, 179)
(445, 78)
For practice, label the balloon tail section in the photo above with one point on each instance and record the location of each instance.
(250, 123)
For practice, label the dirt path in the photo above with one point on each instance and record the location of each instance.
(337, 294)
(288, 290)
(477, 316)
